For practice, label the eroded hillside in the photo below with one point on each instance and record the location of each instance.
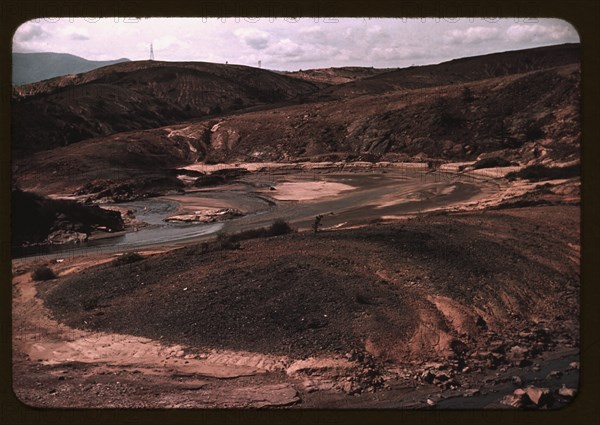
(136, 96)
(523, 106)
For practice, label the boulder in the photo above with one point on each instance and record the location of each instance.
(555, 374)
(60, 237)
(540, 396)
(428, 376)
(567, 392)
(518, 398)
(517, 380)
(517, 353)
(471, 392)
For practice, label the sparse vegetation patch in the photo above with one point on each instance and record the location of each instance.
(536, 173)
(128, 258)
(43, 273)
(491, 163)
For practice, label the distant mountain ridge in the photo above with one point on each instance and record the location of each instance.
(33, 67)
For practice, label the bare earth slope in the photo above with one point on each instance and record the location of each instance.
(342, 75)
(460, 71)
(527, 117)
(516, 112)
(138, 95)
(438, 286)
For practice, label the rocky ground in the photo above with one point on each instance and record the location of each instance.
(444, 310)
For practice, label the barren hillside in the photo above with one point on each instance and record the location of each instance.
(460, 71)
(342, 75)
(529, 114)
(431, 287)
(458, 121)
(137, 96)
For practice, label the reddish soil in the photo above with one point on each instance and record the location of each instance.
(460, 289)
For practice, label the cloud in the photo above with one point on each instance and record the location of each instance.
(255, 38)
(471, 35)
(308, 43)
(313, 34)
(396, 53)
(536, 33)
(77, 34)
(167, 42)
(286, 48)
(29, 31)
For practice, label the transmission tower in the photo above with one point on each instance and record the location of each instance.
(151, 52)
(259, 63)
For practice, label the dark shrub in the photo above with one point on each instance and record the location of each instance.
(43, 273)
(317, 223)
(226, 241)
(467, 95)
(130, 257)
(491, 163)
(280, 227)
(250, 234)
(533, 132)
(536, 173)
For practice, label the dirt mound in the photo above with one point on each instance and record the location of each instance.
(436, 286)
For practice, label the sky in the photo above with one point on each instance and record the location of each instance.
(290, 43)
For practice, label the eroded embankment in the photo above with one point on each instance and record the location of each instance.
(431, 287)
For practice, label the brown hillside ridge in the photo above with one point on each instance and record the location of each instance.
(522, 106)
(329, 76)
(461, 70)
(136, 96)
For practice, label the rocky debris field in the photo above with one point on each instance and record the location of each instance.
(207, 215)
(438, 300)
